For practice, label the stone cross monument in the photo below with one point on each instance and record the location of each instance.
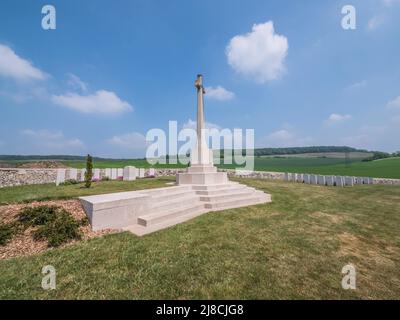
(201, 170)
(200, 115)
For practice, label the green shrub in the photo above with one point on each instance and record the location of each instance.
(54, 224)
(37, 216)
(89, 171)
(84, 221)
(59, 230)
(7, 231)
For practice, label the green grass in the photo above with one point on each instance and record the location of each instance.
(28, 193)
(293, 248)
(338, 155)
(385, 168)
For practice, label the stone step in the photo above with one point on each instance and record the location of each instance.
(234, 194)
(158, 198)
(215, 186)
(164, 216)
(174, 203)
(141, 230)
(167, 190)
(146, 211)
(235, 203)
(222, 191)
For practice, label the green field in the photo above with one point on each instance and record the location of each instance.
(292, 248)
(385, 168)
(41, 192)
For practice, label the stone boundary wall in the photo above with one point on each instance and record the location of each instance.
(17, 176)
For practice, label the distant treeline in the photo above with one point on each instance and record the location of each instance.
(299, 150)
(49, 157)
(382, 155)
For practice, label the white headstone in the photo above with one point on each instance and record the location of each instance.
(286, 178)
(73, 174)
(370, 180)
(107, 173)
(60, 176)
(96, 174)
(299, 178)
(306, 178)
(349, 181)
(83, 171)
(313, 179)
(321, 180)
(113, 174)
(339, 181)
(152, 172)
(329, 180)
(120, 172)
(141, 172)
(129, 173)
(294, 177)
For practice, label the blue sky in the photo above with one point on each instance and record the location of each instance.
(112, 70)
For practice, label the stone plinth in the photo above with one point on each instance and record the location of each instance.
(202, 174)
(146, 211)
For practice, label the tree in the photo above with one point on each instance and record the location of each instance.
(89, 171)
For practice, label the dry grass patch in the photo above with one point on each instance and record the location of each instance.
(367, 249)
(329, 217)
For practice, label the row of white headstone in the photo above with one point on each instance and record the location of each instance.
(127, 174)
(338, 181)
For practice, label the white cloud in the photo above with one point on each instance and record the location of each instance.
(259, 54)
(105, 102)
(375, 22)
(394, 104)
(51, 141)
(219, 93)
(76, 83)
(337, 118)
(285, 138)
(133, 140)
(191, 124)
(13, 66)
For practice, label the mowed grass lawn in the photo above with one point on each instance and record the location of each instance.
(42, 192)
(293, 248)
